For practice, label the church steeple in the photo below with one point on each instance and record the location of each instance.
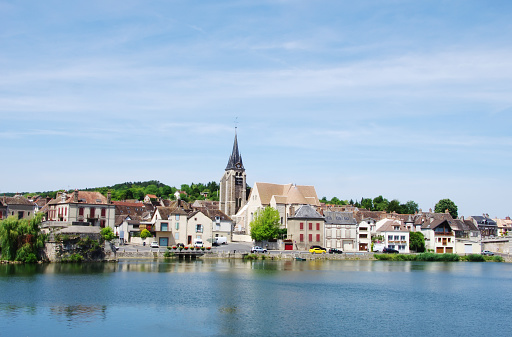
(233, 186)
(235, 160)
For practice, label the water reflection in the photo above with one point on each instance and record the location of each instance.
(79, 313)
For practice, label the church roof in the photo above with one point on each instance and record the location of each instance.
(287, 194)
(235, 158)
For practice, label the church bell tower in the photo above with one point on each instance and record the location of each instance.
(233, 191)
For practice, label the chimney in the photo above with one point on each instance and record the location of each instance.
(109, 197)
(75, 196)
(430, 210)
(446, 211)
(507, 218)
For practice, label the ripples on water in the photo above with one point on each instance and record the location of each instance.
(254, 298)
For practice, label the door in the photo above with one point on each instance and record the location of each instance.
(468, 248)
(440, 250)
(363, 247)
(163, 242)
(288, 246)
(189, 240)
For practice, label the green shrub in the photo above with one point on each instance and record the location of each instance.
(251, 257)
(168, 253)
(474, 258)
(73, 258)
(497, 258)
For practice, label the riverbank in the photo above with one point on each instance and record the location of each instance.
(287, 255)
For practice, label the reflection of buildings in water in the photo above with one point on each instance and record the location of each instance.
(79, 268)
(83, 313)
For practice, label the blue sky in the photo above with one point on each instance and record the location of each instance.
(408, 99)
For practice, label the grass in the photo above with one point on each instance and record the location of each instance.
(432, 257)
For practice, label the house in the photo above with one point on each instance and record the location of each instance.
(129, 215)
(504, 226)
(439, 235)
(366, 231)
(222, 224)
(341, 231)
(285, 198)
(467, 236)
(3, 210)
(306, 227)
(82, 207)
(150, 198)
(199, 227)
(395, 234)
(18, 206)
(169, 226)
(487, 226)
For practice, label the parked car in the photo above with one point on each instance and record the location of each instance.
(215, 244)
(154, 244)
(317, 250)
(487, 252)
(390, 250)
(316, 246)
(198, 243)
(258, 249)
(335, 251)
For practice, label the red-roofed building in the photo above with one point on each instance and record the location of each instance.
(82, 207)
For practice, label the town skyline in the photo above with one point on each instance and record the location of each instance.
(402, 99)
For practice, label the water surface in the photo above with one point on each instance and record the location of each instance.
(254, 298)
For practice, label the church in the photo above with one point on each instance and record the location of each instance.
(241, 208)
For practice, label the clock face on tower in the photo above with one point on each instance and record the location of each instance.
(238, 165)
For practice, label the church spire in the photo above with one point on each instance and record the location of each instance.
(235, 160)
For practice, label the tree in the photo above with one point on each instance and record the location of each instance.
(107, 233)
(410, 207)
(145, 234)
(380, 203)
(367, 203)
(266, 224)
(417, 242)
(393, 206)
(446, 204)
(21, 239)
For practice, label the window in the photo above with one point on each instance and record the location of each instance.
(199, 228)
(91, 214)
(302, 238)
(402, 238)
(397, 237)
(317, 227)
(176, 236)
(363, 228)
(310, 226)
(390, 237)
(102, 223)
(302, 226)
(310, 237)
(177, 216)
(177, 225)
(318, 238)
(103, 212)
(164, 227)
(80, 211)
(363, 236)
(65, 211)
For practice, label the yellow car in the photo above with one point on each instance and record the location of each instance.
(317, 250)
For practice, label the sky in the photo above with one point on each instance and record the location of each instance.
(411, 100)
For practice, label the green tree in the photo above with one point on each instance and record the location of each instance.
(266, 224)
(380, 203)
(417, 242)
(145, 234)
(21, 239)
(107, 233)
(367, 203)
(410, 207)
(393, 206)
(446, 204)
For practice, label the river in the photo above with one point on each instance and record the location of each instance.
(256, 298)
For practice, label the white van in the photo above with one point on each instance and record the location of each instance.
(198, 243)
(221, 240)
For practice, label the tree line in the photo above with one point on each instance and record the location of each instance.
(377, 204)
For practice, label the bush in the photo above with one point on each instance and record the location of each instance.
(251, 257)
(168, 254)
(497, 258)
(74, 258)
(474, 258)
